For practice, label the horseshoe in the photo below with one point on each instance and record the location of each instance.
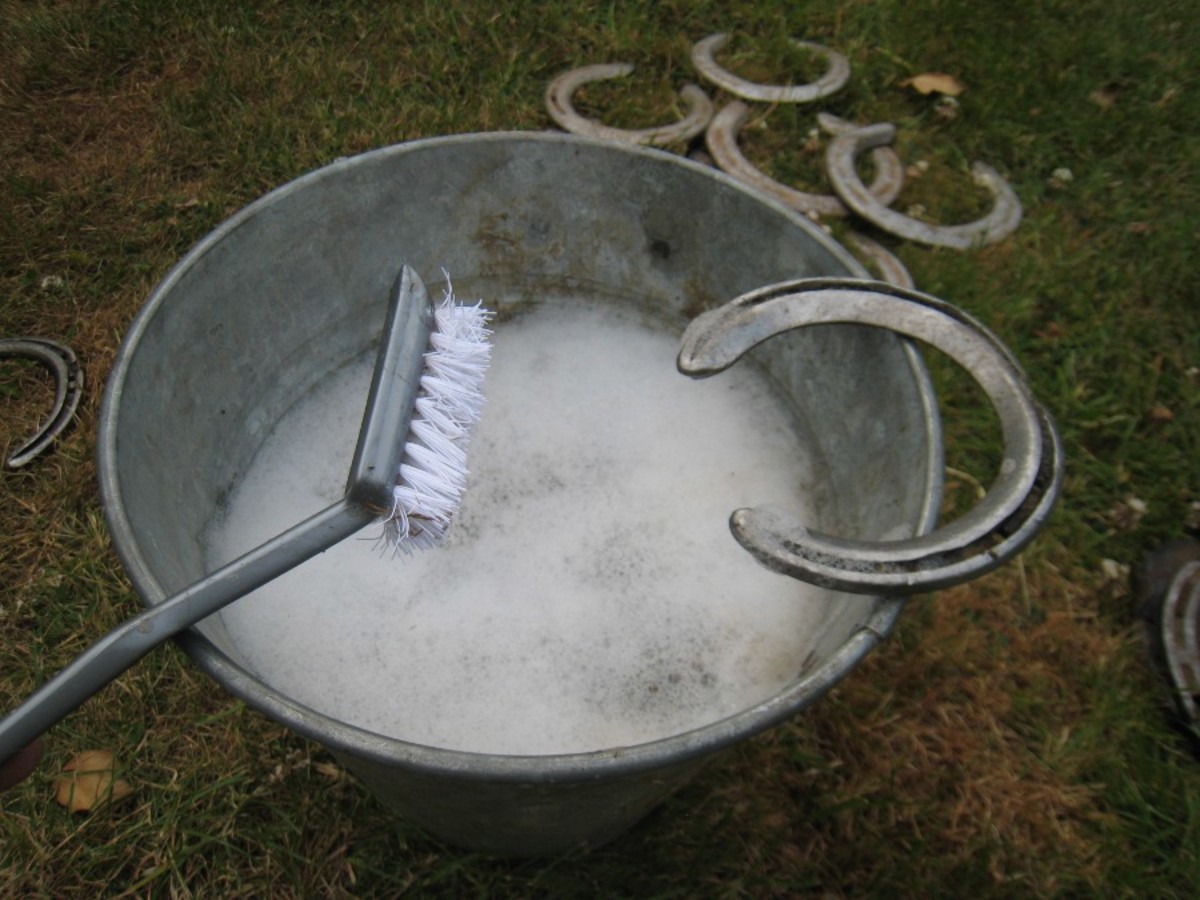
(886, 263)
(1002, 221)
(558, 104)
(834, 79)
(835, 125)
(68, 388)
(1005, 520)
(1180, 627)
(722, 137)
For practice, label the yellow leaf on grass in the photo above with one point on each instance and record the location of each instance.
(89, 781)
(934, 83)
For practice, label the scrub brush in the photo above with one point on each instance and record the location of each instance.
(409, 469)
(433, 470)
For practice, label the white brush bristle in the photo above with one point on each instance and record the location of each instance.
(433, 471)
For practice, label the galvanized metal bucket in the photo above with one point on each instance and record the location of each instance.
(287, 291)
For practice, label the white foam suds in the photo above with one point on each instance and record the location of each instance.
(590, 594)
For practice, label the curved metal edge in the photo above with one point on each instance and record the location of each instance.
(435, 761)
(836, 74)
(1181, 607)
(834, 125)
(999, 223)
(785, 547)
(996, 529)
(68, 390)
(717, 338)
(562, 111)
(886, 263)
(722, 141)
(562, 768)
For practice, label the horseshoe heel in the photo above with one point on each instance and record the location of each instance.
(722, 141)
(886, 263)
(68, 388)
(1007, 518)
(1002, 221)
(562, 88)
(1180, 640)
(834, 125)
(834, 79)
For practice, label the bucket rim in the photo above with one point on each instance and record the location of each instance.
(345, 738)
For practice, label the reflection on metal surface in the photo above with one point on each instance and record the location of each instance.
(840, 157)
(561, 89)
(835, 77)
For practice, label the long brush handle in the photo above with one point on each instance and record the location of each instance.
(130, 641)
(377, 458)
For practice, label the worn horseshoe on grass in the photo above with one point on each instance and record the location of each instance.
(68, 388)
(722, 141)
(1014, 508)
(834, 79)
(1002, 221)
(561, 89)
(1180, 637)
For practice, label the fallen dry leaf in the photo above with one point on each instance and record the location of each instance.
(934, 83)
(88, 781)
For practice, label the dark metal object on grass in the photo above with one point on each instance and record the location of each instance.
(1180, 624)
(1166, 584)
(68, 388)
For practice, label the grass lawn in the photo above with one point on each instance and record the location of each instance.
(1010, 739)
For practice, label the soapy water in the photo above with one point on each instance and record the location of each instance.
(589, 595)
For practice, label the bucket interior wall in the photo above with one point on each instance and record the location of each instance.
(295, 287)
